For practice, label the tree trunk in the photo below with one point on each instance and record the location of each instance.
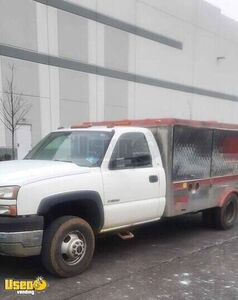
(13, 145)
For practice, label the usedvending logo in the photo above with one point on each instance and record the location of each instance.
(26, 287)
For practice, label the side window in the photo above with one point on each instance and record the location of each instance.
(131, 151)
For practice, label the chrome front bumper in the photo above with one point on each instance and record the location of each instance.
(21, 244)
(21, 236)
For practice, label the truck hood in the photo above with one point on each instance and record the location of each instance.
(20, 172)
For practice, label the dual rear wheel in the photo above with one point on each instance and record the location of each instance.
(222, 217)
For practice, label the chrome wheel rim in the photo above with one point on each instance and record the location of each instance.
(73, 248)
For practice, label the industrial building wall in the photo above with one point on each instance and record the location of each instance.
(85, 60)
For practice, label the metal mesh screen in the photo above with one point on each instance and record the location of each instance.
(192, 153)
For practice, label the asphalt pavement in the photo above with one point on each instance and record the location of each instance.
(174, 259)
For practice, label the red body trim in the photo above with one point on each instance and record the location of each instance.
(181, 199)
(222, 179)
(205, 182)
(225, 195)
(179, 185)
(158, 122)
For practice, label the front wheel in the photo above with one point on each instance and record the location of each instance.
(68, 246)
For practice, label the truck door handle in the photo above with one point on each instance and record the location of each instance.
(153, 178)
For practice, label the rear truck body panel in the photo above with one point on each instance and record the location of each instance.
(201, 166)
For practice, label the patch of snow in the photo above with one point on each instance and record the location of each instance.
(185, 282)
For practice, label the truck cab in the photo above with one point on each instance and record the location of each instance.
(96, 178)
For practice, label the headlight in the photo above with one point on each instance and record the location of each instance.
(9, 192)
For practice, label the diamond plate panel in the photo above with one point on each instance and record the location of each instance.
(192, 153)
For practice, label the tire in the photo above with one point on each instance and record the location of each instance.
(226, 215)
(68, 246)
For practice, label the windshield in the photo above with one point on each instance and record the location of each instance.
(84, 148)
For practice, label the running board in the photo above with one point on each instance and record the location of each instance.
(125, 235)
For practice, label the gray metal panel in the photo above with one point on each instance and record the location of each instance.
(34, 118)
(18, 23)
(116, 49)
(74, 85)
(112, 112)
(101, 18)
(93, 69)
(26, 76)
(73, 36)
(73, 112)
(164, 138)
(116, 92)
(116, 99)
(192, 150)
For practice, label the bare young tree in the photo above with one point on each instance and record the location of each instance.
(13, 107)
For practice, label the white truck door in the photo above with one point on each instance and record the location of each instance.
(134, 183)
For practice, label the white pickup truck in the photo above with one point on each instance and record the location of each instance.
(80, 182)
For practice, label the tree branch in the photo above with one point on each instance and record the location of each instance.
(13, 107)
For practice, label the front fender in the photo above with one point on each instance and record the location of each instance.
(72, 198)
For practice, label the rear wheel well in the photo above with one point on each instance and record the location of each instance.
(227, 195)
(236, 194)
(222, 217)
(85, 209)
